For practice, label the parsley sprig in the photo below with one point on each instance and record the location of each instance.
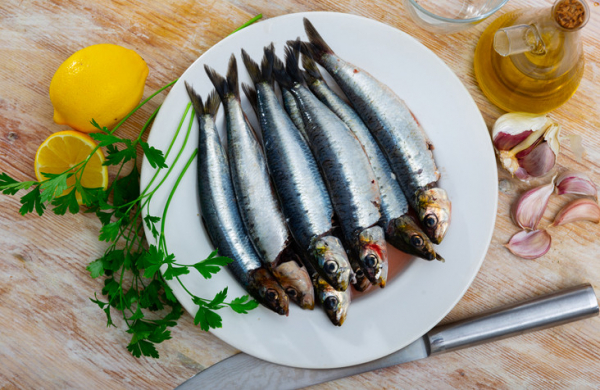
(133, 285)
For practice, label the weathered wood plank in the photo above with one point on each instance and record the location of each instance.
(52, 336)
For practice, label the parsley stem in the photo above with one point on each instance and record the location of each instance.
(140, 106)
(164, 216)
(139, 137)
(254, 19)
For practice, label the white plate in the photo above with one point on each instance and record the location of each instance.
(424, 292)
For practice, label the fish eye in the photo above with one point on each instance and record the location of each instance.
(370, 261)
(291, 292)
(272, 294)
(331, 266)
(430, 221)
(359, 273)
(330, 303)
(416, 240)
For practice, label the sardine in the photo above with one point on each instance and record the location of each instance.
(257, 202)
(335, 303)
(400, 229)
(296, 177)
(400, 136)
(346, 170)
(221, 215)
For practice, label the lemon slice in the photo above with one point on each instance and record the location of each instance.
(63, 150)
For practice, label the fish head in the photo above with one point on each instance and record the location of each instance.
(270, 293)
(332, 262)
(434, 208)
(405, 234)
(296, 282)
(372, 254)
(335, 303)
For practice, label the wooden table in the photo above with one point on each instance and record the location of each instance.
(52, 336)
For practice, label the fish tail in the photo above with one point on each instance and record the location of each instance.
(252, 67)
(218, 81)
(281, 76)
(291, 61)
(267, 63)
(312, 72)
(251, 95)
(318, 45)
(232, 77)
(195, 98)
(213, 102)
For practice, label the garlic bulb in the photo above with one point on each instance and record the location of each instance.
(527, 144)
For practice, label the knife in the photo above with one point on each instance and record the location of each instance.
(247, 372)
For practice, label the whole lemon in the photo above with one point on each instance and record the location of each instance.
(102, 82)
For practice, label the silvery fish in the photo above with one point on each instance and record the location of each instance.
(296, 178)
(257, 202)
(335, 303)
(349, 177)
(398, 133)
(400, 228)
(220, 214)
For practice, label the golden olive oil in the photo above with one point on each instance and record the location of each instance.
(532, 88)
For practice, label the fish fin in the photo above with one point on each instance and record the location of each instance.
(267, 63)
(252, 67)
(195, 98)
(232, 77)
(312, 72)
(318, 45)
(291, 62)
(281, 76)
(251, 95)
(213, 102)
(218, 81)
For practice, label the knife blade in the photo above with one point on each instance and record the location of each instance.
(247, 372)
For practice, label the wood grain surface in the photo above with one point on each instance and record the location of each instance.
(53, 337)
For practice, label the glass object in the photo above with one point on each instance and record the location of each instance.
(450, 16)
(532, 60)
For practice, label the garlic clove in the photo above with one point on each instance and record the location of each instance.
(571, 182)
(530, 207)
(583, 209)
(539, 161)
(530, 244)
(527, 144)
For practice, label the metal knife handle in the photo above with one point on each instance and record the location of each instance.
(550, 310)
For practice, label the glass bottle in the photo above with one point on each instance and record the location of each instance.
(532, 60)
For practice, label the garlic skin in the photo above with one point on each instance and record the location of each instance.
(529, 208)
(582, 209)
(527, 144)
(572, 182)
(530, 244)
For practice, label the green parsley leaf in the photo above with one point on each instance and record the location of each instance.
(151, 261)
(127, 188)
(96, 125)
(143, 347)
(96, 268)
(207, 319)
(154, 156)
(242, 304)
(109, 231)
(217, 301)
(10, 186)
(174, 271)
(106, 139)
(138, 315)
(212, 264)
(32, 200)
(115, 156)
(54, 186)
(66, 202)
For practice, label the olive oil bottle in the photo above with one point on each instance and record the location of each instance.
(532, 60)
